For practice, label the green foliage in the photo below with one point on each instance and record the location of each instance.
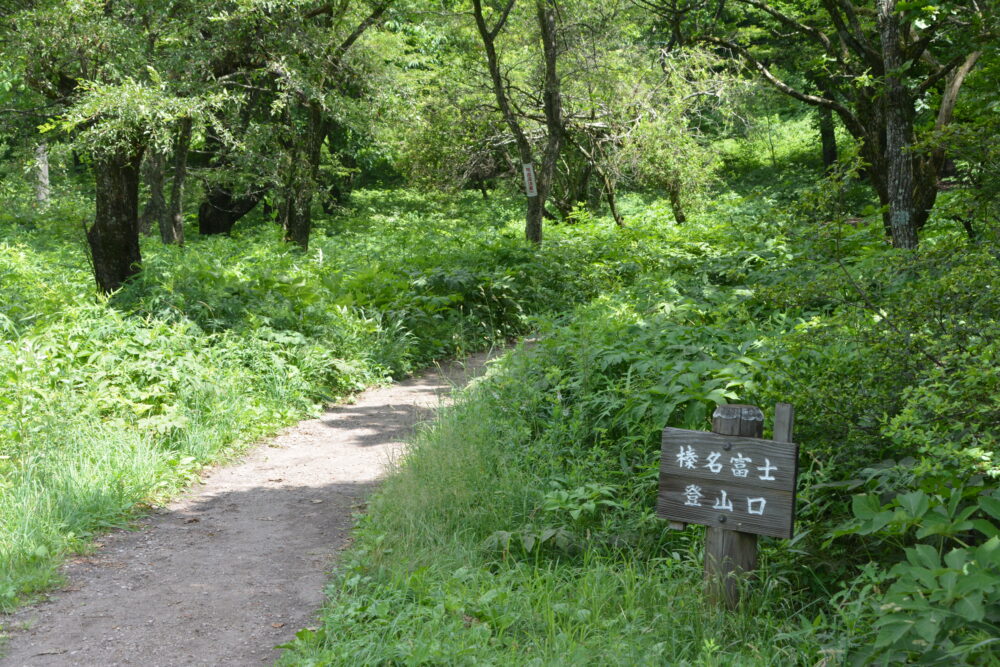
(566, 560)
(787, 293)
(106, 404)
(943, 601)
(515, 555)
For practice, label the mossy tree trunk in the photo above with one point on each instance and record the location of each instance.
(114, 236)
(152, 174)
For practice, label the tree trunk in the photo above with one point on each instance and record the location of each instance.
(676, 207)
(552, 103)
(222, 209)
(337, 189)
(114, 236)
(42, 175)
(297, 213)
(297, 217)
(930, 168)
(533, 219)
(583, 188)
(155, 208)
(536, 203)
(613, 205)
(881, 114)
(828, 137)
(172, 223)
(898, 132)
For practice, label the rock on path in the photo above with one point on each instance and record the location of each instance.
(238, 564)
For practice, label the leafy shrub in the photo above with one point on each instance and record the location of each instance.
(943, 599)
(886, 356)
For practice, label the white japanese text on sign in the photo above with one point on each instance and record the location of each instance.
(737, 483)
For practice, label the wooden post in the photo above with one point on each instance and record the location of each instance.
(729, 554)
(714, 479)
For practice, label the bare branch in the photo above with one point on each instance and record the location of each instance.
(849, 118)
(503, 19)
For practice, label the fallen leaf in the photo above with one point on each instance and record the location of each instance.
(277, 625)
(192, 519)
(317, 501)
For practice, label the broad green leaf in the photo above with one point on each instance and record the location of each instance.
(956, 558)
(865, 506)
(991, 506)
(971, 608)
(891, 632)
(915, 503)
(988, 553)
(927, 628)
(923, 555)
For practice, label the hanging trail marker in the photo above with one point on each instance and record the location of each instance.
(734, 482)
(530, 188)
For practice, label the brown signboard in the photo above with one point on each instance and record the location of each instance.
(728, 482)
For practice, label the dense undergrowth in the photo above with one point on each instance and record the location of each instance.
(108, 404)
(521, 527)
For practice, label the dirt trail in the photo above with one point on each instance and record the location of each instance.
(238, 564)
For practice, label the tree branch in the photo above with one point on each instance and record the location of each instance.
(950, 94)
(369, 21)
(792, 23)
(857, 41)
(945, 70)
(503, 19)
(849, 118)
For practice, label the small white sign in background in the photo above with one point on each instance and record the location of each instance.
(529, 180)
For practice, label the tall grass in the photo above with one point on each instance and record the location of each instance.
(521, 527)
(430, 583)
(110, 404)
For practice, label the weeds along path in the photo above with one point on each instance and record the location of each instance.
(238, 564)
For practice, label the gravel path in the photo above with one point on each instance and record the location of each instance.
(238, 564)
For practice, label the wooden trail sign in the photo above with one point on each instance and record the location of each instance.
(744, 484)
(734, 482)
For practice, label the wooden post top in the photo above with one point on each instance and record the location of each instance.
(745, 420)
